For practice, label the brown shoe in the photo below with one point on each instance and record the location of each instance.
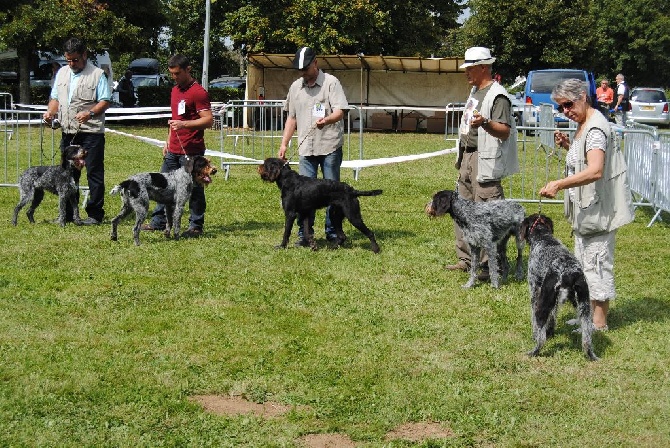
(460, 266)
(149, 228)
(193, 232)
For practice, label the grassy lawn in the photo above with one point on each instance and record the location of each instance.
(102, 343)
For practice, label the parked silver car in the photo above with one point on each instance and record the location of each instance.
(649, 105)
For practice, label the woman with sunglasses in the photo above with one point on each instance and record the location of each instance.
(597, 200)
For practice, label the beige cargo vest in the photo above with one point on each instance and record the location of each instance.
(83, 99)
(497, 158)
(606, 204)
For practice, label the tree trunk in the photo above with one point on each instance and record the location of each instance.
(24, 77)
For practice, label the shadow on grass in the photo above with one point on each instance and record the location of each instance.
(647, 309)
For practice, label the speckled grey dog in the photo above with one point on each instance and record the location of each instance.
(54, 179)
(486, 225)
(554, 276)
(172, 189)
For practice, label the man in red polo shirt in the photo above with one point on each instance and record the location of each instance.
(191, 115)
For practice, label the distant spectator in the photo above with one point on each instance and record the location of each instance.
(605, 94)
(622, 104)
(126, 90)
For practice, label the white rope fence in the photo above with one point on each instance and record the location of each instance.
(356, 165)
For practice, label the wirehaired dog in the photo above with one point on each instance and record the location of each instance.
(173, 189)
(554, 276)
(55, 179)
(302, 195)
(486, 225)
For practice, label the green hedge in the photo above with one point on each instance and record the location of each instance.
(225, 94)
(38, 94)
(148, 96)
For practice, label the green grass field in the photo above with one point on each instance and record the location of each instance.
(102, 343)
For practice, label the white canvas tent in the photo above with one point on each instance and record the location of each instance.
(367, 80)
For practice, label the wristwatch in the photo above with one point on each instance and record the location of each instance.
(91, 113)
(485, 123)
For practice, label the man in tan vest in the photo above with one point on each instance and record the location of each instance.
(80, 95)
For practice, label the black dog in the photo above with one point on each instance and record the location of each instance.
(54, 179)
(173, 189)
(554, 276)
(302, 195)
(485, 225)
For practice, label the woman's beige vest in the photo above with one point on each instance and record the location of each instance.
(606, 204)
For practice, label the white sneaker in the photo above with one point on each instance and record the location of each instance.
(579, 329)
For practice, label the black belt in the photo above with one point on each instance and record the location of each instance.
(469, 149)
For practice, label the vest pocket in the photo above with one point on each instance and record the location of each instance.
(490, 165)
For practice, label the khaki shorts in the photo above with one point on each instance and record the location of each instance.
(596, 255)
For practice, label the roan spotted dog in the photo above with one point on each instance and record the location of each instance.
(54, 179)
(302, 194)
(172, 189)
(486, 225)
(554, 276)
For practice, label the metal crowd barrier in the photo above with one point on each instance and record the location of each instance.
(252, 130)
(647, 154)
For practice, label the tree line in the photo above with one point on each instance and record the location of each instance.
(604, 36)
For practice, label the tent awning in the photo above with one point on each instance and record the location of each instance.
(355, 62)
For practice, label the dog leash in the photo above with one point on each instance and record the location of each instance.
(180, 142)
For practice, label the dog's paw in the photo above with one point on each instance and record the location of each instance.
(469, 284)
(533, 353)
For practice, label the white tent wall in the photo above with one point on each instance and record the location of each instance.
(368, 81)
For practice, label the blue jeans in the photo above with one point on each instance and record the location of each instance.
(94, 144)
(196, 204)
(330, 167)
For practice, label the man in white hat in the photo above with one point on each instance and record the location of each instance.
(487, 143)
(315, 107)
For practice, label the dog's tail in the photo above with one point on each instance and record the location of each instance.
(367, 192)
(127, 185)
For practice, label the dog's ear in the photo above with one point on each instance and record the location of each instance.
(525, 226)
(190, 163)
(549, 222)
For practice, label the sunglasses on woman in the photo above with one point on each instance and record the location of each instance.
(567, 105)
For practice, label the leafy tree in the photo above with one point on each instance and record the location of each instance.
(604, 36)
(32, 25)
(186, 22)
(413, 27)
(530, 35)
(634, 40)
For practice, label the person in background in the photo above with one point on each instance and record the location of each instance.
(622, 102)
(591, 155)
(126, 90)
(315, 105)
(605, 95)
(191, 115)
(487, 128)
(80, 96)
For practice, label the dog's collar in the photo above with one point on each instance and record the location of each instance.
(538, 220)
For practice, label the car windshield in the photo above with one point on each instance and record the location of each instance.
(648, 96)
(546, 81)
(140, 81)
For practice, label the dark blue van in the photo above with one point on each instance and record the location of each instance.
(540, 83)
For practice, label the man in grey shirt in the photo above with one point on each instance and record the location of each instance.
(315, 106)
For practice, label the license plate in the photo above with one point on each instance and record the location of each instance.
(647, 108)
